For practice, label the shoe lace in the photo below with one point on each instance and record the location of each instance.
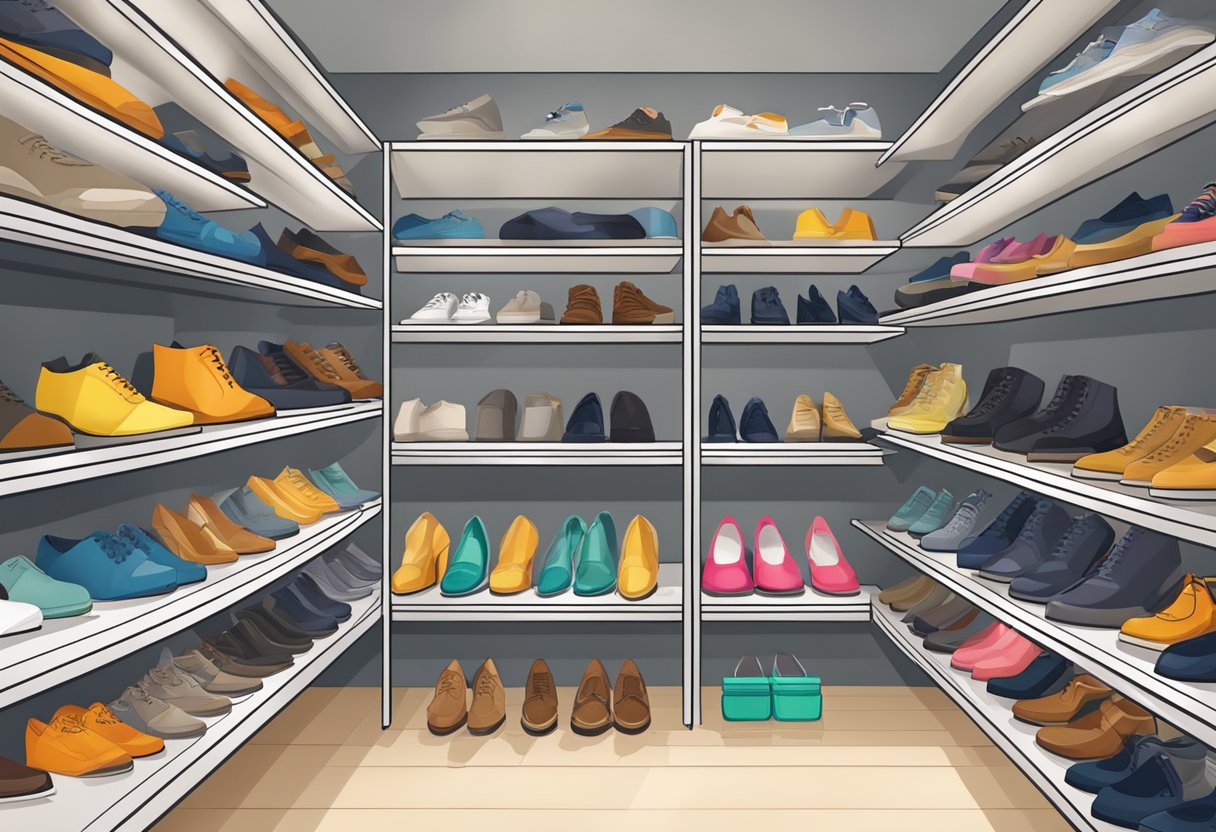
(995, 398)
(138, 693)
(1034, 521)
(287, 367)
(1108, 567)
(1083, 53)
(1180, 437)
(1193, 586)
(1203, 206)
(68, 724)
(935, 386)
(1078, 401)
(586, 298)
(1160, 420)
(37, 144)
(439, 301)
(320, 362)
(451, 684)
(116, 380)
(539, 686)
(7, 395)
(181, 207)
(486, 685)
(1001, 523)
(915, 380)
(348, 361)
(459, 108)
(1078, 529)
(104, 715)
(470, 300)
(1063, 389)
(117, 548)
(213, 355)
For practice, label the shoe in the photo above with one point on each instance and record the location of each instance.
(148, 715)
(855, 121)
(831, 574)
(184, 226)
(1164, 781)
(941, 400)
(66, 747)
(955, 613)
(586, 422)
(245, 508)
(1196, 223)
(1191, 816)
(448, 710)
(454, 225)
(488, 710)
(1072, 557)
(109, 567)
(755, 425)
(916, 380)
(596, 563)
(642, 123)
(557, 568)
(1196, 431)
(245, 643)
(173, 686)
(935, 516)
(725, 571)
(592, 712)
(476, 119)
(583, 306)
(912, 510)
(524, 308)
(814, 308)
(496, 416)
(297, 489)
(1043, 529)
(357, 562)
(1142, 574)
(739, 225)
(95, 399)
(850, 225)
(40, 25)
(725, 308)
(631, 306)
(1046, 673)
(1082, 418)
(948, 641)
(725, 122)
(630, 701)
(188, 143)
(24, 429)
(1193, 478)
(443, 422)
(910, 588)
(1098, 734)
(568, 121)
(914, 604)
(554, 223)
(468, 566)
(974, 552)
(1193, 660)
(1010, 394)
(777, 572)
(999, 639)
(542, 419)
(837, 426)
(197, 380)
(278, 380)
(767, 309)
(336, 582)
(1131, 214)
(657, 223)
(335, 482)
(855, 308)
(17, 617)
(933, 283)
(1094, 776)
(213, 680)
(25, 583)
(405, 426)
(961, 525)
(1110, 465)
(985, 163)
(295, 132)
(513, 572)
(721, 421)
(967, 269)
(1009, 658)
(18, 782)
(309, 592)
(1191, 614)
(350, 374)
(309, 247)
(538, 716)
(318, 365)
(1044, 254)
(270, 634)
(804, 423)
(284, 506)
(638, 572)
(1079, 697)
(630, 419)
(203, 512)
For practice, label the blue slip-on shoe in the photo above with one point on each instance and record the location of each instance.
(725, 309)
(468, 569)
(188, 143)
(721, 421)
(595, 565)
(554, 223)
(767, 308)
(1198, 815)
(1043, 675)
(941, 267)
(280, 380)
(912, 510)
(1153, 787)
(39, 24)
(1127, 216)
(853, 307)
(247, 509)
(755, 425)
(337, 483)
(657, 223)
(302, 615)
(586, 422)
(454, 225)
(188, 572)
(1193, 660)
(281, 261)
(814, 308)
(1095, 775)
(407, 222)
(557, 569)
(110, 568)
(998, 534)
(185, 226)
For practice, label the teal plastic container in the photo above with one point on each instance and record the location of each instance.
(747, 696)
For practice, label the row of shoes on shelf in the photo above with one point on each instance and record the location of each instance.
(852, 307)
(551, 223)
(740, 228)
(584, 557)
(808, 422)
(732, 568)
(630, 307)
(787, 694)
(499, 420)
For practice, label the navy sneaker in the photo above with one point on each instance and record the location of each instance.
(1198, 815)
(1161, 783)
(721, 421)
(725, 308)
(1193, 660)
(1009, 394)
(1046, 673)
(559, 224)
(814, 309)
(1042, 529)
(755, 426)
(854, 307)
(977, 551)
(934, 283)
(1074, 555)
(767, 308)
(941, 268)
(276, 378)
(586, 422)
(1096, 775)
(39, 24)
(1127, 216)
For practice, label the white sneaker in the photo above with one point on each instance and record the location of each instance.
(474, 309)
(443, 422)
(18, 617)
(405, 426)
(568, 121)
(524, 308)
(728, 123)
(438, 310)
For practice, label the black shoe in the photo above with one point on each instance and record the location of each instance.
(1009, 394)
(263, 634)
(310, 593)
(630, 420)
(247, 647)
(1092, 425)
(290, 625)
(925, 292)
(1083, 545)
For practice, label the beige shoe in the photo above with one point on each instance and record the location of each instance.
(443, 422)
(405, 426)
(542, 419)
(489, 709)
(916, 380)
(941, 400)
(524, 308)
(448, 710)
(836, 423)
(804, 421)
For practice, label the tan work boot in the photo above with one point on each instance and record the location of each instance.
(448, 710)
(583, 306)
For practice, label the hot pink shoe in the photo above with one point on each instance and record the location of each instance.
(964, 658)
(725, 571)
(831, 574)
(1007, 661)
(964, 271)
(777, 572)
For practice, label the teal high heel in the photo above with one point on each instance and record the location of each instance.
(469, 564)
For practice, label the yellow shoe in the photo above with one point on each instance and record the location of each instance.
(513, 572)
(297, 488)
(852, 225)
(1110, 465)
(1196, 430)
(1192, 614)
(804, 421)
(1194, 478)
(198, 380)
(941, 400)
(95, 399)
(426, 556)
(638, 574)
(916, 380)
(836, 423)
(1056, 259)
(1132, 244)
(283, 506)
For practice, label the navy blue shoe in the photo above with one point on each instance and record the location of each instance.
(767, 308)
(1128, 215)
(755, 426)
(290, 604)
(188, 143)
(39, 24)
(1096, 775)
(980, 549)
(280, 381)
(1197, 815)
(941, 268)
(814, 309)
(1153, 787)
(1193, 660)
(725, 308)
(1043, 674)
(559, 224)
(306, 588)
(854, 307)
(586, 423)
(281, 261)
(721, 421)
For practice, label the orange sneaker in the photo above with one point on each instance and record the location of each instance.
(299, 489)
(66, 746)
(101, 720)
(198, 380)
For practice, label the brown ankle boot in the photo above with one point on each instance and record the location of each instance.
(630, 306)
(583, 306)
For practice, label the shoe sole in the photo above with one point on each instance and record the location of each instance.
(1056, 456)
(426, 137)
(777, 593)
(630, 729)
(538, 730)
(485, 732)
(836, 593)
(1183, 494)
(650, 592)
(1083, 474)
(17, 798)
(966, 440)
(1000, 579)
(590, 731)
(1155, 646)
(620, 133)
(443, 732)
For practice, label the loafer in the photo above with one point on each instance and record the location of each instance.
(596, 567)
(586, 422)
(557, 568)
(468, 567)
(638, 573)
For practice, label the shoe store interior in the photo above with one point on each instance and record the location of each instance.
(385, 442)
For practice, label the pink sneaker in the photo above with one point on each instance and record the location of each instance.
(964, 271)
(964, 658)
(831, 574)
(1016, 262)
(1007, 661)
(725, 571)
(777, 572)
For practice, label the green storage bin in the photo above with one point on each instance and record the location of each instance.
(746, 699)
(797, 699)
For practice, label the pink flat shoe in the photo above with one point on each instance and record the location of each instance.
(777, 572)
(1008, 661)
(965, 658)
(831, 574)
(964, 271)
(725, 571)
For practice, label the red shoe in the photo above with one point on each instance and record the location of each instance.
(831, 574)
(777, 572)
(1196, 225)
(1007, 661)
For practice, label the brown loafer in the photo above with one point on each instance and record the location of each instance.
(592, 714)
(630, 704)
(1060, 708)
(539, 715)
(448, 710)
(1100, 734)
(489, 709)
(741, 225)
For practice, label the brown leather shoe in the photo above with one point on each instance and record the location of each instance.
(583, 306)
(204, 512)
(911, 588)
(1062, 707)
(741, 225)
(913, 600)
(592, 714)
(448, 710)
(319, 367)
(308, 247)
(630, 306)
(489, 709)
(348, 369)
(1100, 734)
(630, 704)
(539, 715)
(188, 540)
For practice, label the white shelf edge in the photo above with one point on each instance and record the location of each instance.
(536, 453)
(809, 607)
(788, 248)
(537, 251)
(794, 144)
(798, 334)
(540, 333)
(537, 146)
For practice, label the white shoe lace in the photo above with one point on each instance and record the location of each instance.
(440, 301)
(471, 301)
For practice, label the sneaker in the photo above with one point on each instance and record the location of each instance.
(524, 308)
(855, 121)
(568, 121)
(935, 516)
(1010, 394)
(959, 527)
(111, 568)
(916, 380)
(739, 225)
(767, 308)
(197, 380)
(725, 122)
(855, 308)
(934, 283)
(350, 374)
(554, 223)
(1094, 53)
(1196, 431)
(631, 306)
(975, 551)
(280, 261)
(24, 429)
(174, 687)
(311, 248)
(642, 123)
(941, 400)
(95, 399)
(755, 424)
(1133, 212)
(190, 144)
(476, 119)
(280, 381)
(208, 674)
(583, 306)
(157, 553)
(1072, 557)
(1043, 529)
(186, 227)
(1045, 254)
(985, 163)
(912, 510)
(335, 482)
(1196, 223)
(474, 308)
(814, 308)
(65, 746)
(1082, 418)
(725, 308)
(42, 26)
(149, 715)
(454, 225)
(405, 426)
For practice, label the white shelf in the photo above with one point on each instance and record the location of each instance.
(1039, 32)
(791, 453)
(1125, 667)
(68, 648)
(1193, 521)
(189, 270)
(536, 334)
(137, 799)
(539, 257)
(1155, 113)
(537, 453)
(798, 334)
(279, 172)
(810, 606)
(1172, 273)
(994, 718)
(79, 464)
(664, 605)
(795, 257)
(793, 169)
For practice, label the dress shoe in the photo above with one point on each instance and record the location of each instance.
(907, 588)
(997, 535)
(95, 399)
(1039, 535)
(596, 563)
(1006, 659)
(19, 782)
(448, 710)
(1072, 557)
(65, 746)
(630, 702)
(297, 489)
(777, 572)
(725, 572)
(1193, 660)
(592, 713)
(488, 710)
(350, 374)
(831, 574)
(468, 568)
(1077, 698)
(557, 568)
(513, 572)
(1009, 394)
(1162, 782)
(638, 572)
(837, 426)
(1096, 775)
(138, 538)
(188, 540)
(1110, 465)
(1097, 734)
(196, 379)
(425, 558)
(539, 714)
(204, 512)
(1046, 673)
(583, 306)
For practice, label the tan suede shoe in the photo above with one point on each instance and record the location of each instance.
(630, 704)
(804, 423)
(583, 306)
(592, 714)
(741, 225)
(539, 715)
(489, 709)
(837, 426)
(1100, 734)
(631, 306)
(448, 710)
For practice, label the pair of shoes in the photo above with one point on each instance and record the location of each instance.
(807, 424)
(331, 366)
(856, 120)
(553, 223)
(932, 398)
(541, 422)
(996, 653)
(630, 420)
(1010, 395)
(116, 567)
(740, 224)
(630, 306)
(852, 306)
(773, 569)
(294, 496)
(1170, 452)
(473, 308)
(626, 704)
(936, 519)
(449, 709)
(1081, 418)
(1095, 734)
(788, 694)
(496, 412)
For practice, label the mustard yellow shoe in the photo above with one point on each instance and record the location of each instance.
(941, 400)
(804, 421)
(837, 426)
(94, 398)
(426, 556)
(916, 380)
(1194, 478)
(296, 487)
(513, 572)
(638, 573)
(1110, 465)
(852, 225)
(1132, 244)
(283, 506)
(1196, 430)
(1192, 614)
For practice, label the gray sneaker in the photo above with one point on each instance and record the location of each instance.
(212, 678)
(1038, 537)
(985, 163)
(959, 527)
(174, 687)
(476, 119)
(143, 712)
(331, 585)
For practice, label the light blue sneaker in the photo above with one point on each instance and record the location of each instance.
(185, 226)
(455, 225)
(856, 121)
(912, 509)
(659, 224)
(936, 516)
(568, 121)
(337, 483)
(1093, 54)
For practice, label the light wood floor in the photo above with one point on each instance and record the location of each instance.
(882, 759)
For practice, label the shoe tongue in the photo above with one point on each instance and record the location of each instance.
(166, 657)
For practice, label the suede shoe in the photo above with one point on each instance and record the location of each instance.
(814, 308)
(725, 308)
(1161, 783)
(721, 422)
(1043, 528)
(854, 307)
(767, 308)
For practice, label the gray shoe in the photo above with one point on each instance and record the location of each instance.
(947, 641)
(476, 119)
(542, 419)
(212, 679)
(174, 687)
(334, 588)
(245, 508)
(234, 667)
(358, 563)
(950, 536)
(496, 416)
(1074, 555)
(347, 574)
(1042, 530)
(985, 163)
(143, 712)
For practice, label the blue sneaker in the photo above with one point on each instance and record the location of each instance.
(1162, 782)
(814, 309)
(39, 24)
(559, 224)
(755, 425)
(586, 423)
(997, 536)
(185, 226)
(1127, 216)
(767, 308)
(454, 225)
(109, 567)
(1198, 815)
(1096, 775)
(855, 308)
(912, 510)
(281, 261)
(941, 267)
(336, 483)
(245, 508)
(721, 421)
(725, 308)
(658, 224)
(1093, 54)
(188, 572)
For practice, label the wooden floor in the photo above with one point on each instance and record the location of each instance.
(882, 759)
